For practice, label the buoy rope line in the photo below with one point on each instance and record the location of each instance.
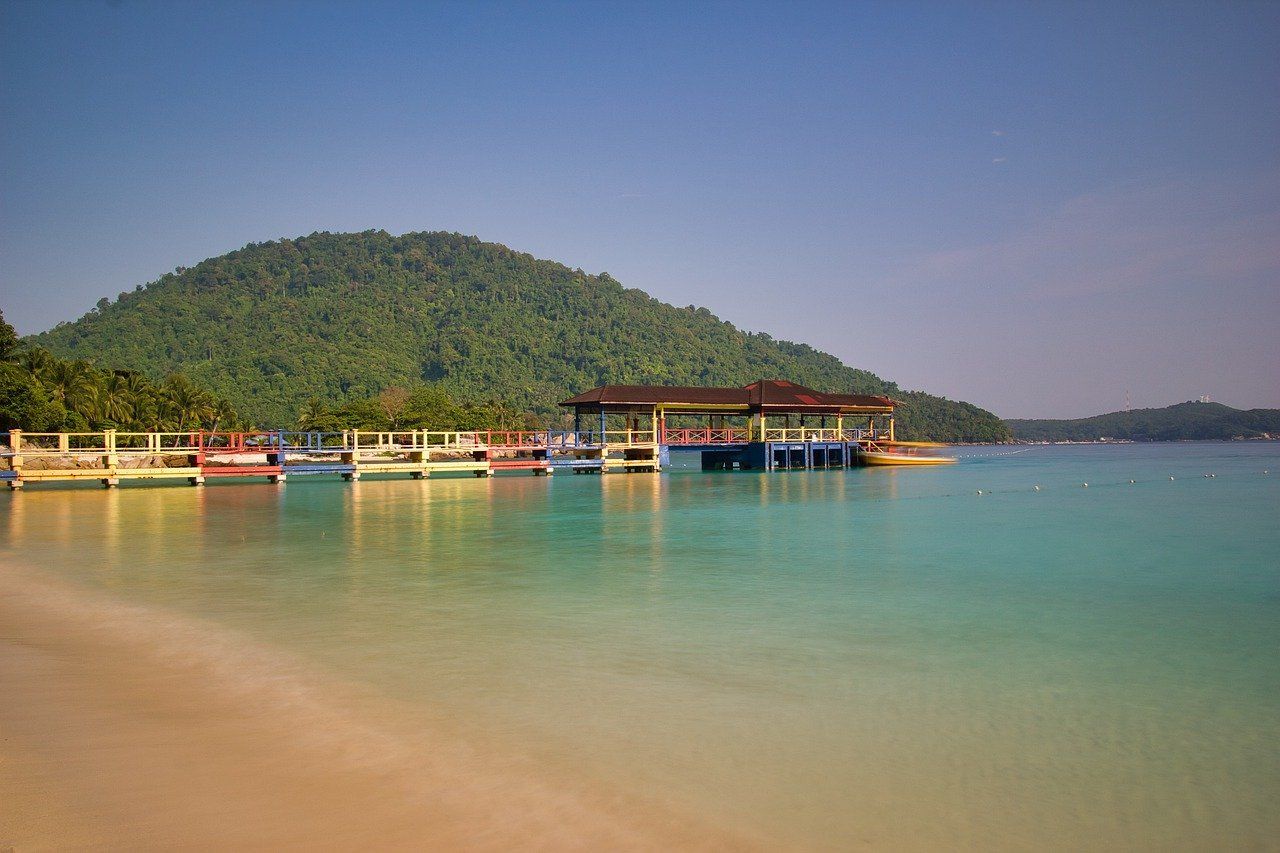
(986, 455)
(1094, 485)
(1073, 486)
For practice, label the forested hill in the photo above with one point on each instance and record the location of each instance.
(342, 316)
(1182, 422)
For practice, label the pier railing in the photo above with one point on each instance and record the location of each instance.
(787, 434)
(741, 435)
(706, 435)
(100, 443)
(373, 441)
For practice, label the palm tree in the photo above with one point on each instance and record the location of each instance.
(73, 384)
(36, 361)
(223, 415)
(114, 399)
(146, 412)
(188, 406)
(313, 411)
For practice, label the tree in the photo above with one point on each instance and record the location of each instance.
(392, 402)
(36, 361)
(8, 340)
(114, 399)
(224, 416)
(188, 407)
(72, 384)
(314, 411)
(24, 403)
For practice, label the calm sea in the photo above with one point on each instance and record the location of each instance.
(820, 659)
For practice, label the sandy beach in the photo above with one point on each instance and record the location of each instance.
(124, 727)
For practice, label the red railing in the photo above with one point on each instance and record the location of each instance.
(515, 438)
(705, 435)
(240, 442)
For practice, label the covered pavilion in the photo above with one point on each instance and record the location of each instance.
(764, 411)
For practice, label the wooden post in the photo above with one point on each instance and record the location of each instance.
(15, 461)
(109, 442)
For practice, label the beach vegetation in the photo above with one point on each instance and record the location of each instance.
(40, 392)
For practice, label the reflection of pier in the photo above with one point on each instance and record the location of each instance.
(766, 426)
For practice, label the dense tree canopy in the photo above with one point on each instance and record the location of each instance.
(1183, 422)
(42, 393)
(341, 318)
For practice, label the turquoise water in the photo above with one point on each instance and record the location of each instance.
(818, 659)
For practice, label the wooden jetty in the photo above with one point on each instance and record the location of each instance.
(769, 425)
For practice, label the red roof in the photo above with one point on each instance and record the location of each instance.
(765, 394)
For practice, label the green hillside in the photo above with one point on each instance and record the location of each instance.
(1182, 422)
(340, 317)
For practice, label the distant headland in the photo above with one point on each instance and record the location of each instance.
(1190, 421)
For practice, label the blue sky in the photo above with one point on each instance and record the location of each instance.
(1033, 206)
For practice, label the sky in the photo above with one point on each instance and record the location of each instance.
(1034, 206)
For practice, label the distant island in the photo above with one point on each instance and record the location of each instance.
(1191, 421)
(324, 324)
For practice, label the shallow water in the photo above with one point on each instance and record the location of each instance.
(817, 659)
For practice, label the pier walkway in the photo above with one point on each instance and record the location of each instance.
(110, 456)
(628, 431)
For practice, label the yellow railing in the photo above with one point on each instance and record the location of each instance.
(630, 436)
(53, 443)
(412, 440)
(156, 442)
(811, 434)
(104, 442)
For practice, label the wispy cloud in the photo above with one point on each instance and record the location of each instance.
(997, 133)
(998, 159)
(1124, 239)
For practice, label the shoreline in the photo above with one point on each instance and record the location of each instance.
(129, 727)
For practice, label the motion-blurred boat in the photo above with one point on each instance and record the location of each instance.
(902, 453)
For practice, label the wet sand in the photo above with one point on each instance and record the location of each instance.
(127, 727)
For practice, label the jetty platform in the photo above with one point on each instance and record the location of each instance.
(768, 425)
